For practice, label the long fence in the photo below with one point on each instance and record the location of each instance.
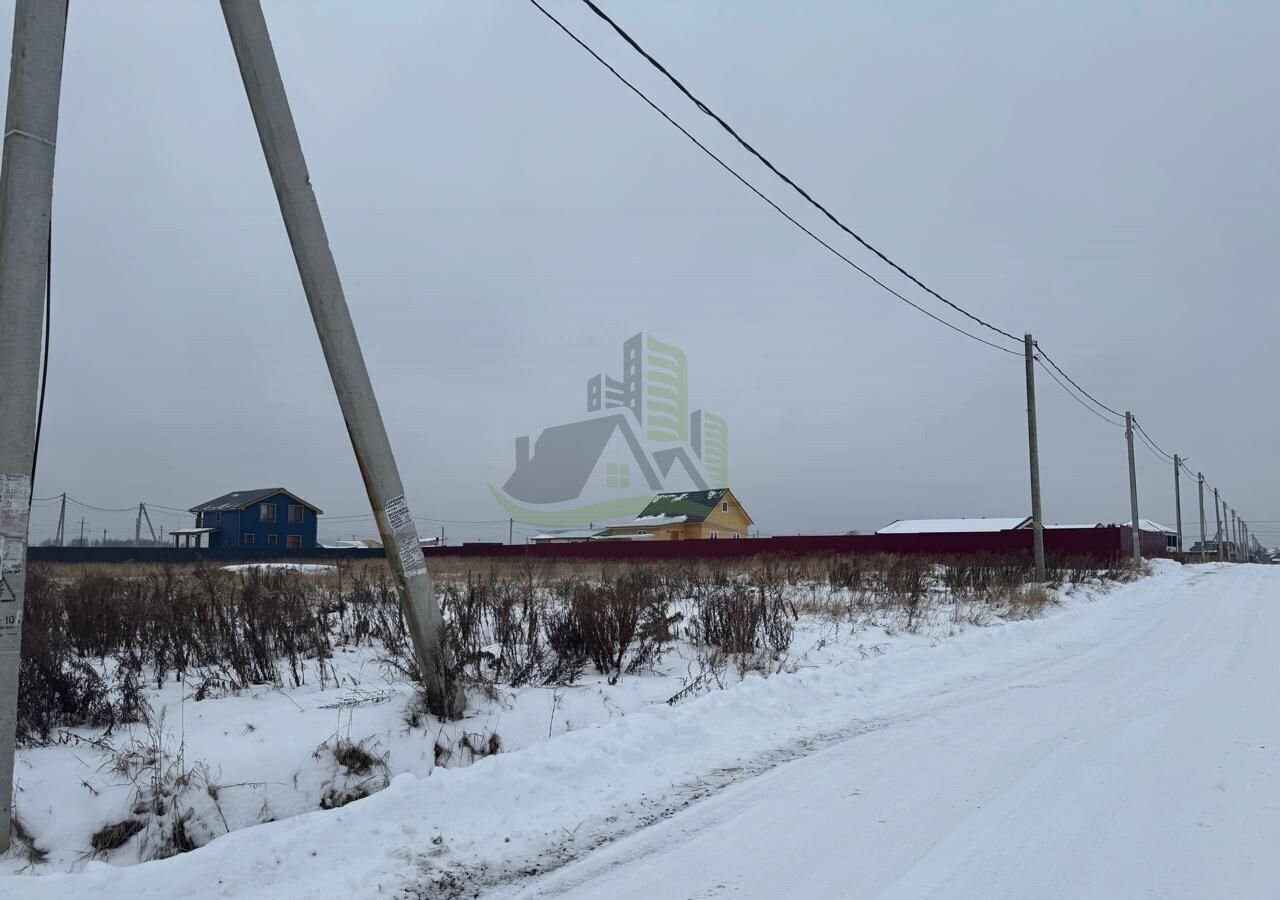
(1101, 545)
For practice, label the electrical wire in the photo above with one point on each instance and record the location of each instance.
(776, 171)
(1151, 448)
(1073, 396)
(101, 508)
(778, 209)
(1168, 456)
(1099, 403)
(702, 106)
(44, 366)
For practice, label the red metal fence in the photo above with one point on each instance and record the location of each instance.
(1102, 545)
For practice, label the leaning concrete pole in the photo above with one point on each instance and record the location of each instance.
(26, 196)
(265, 88)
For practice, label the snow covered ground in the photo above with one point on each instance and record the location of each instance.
(1018, 760)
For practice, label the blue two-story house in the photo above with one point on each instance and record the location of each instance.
(264, 520)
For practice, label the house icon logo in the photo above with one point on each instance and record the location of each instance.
(638, 439)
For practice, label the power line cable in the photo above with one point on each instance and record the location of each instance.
(704, 108)
(1072, 394)
(776, 171)
(1049, 360)
(1138, 425)
(44, 365)
(751, 187)
(101, 508)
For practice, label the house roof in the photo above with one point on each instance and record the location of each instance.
(685, 506)
(565, 455)
(243, 499)
(1149, 525)
(951, 526)
(569, 534)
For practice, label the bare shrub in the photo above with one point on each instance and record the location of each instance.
(622, 619)
(1028, 602)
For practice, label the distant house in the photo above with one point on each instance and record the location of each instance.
(955, 526)
(689, 515)
(266, 519)
(568, 536)
(1149, 525)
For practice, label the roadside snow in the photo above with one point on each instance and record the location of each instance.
(621, 758)
(302, 568)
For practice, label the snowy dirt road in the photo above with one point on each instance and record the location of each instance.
(1134, 752)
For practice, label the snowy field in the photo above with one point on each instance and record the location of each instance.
(263, 784)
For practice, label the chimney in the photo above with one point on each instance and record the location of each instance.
(522, 452)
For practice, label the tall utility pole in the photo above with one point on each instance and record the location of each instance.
(1133, 490)
(1235, 539)
(320, 282)
(1217, 522)
(82, 543)
(26, 197)
(1033, 449)
(137, 528)
(511, 530)
(1200, 487)
(60, 537)
(1177, 497)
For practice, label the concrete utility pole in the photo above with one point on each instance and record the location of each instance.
(1200, 485)
(1217, 523)
(1177, 497)
(26, 197)
(1033, 449)
(82, 543)
(60, 537)
(1133, 490)
(511, 530)
(320, 281)
(1235, 537)
(137, 528)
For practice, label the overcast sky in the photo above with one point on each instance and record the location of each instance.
(504, 214)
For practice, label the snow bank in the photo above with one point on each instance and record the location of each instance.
(458, 830)
(302, 568)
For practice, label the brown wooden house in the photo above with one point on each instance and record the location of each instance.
(688, 515)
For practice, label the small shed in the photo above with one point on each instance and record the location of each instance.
(266, 519)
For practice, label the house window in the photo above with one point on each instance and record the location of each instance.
(249, 537)
(273, 539)
(217, 517)
(617, 475)
(715, 535)
(724, 507)
(295, 514)
(293, 541)
(736, 535)
(266, 512)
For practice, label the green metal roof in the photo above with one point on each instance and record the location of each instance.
(694, 506)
